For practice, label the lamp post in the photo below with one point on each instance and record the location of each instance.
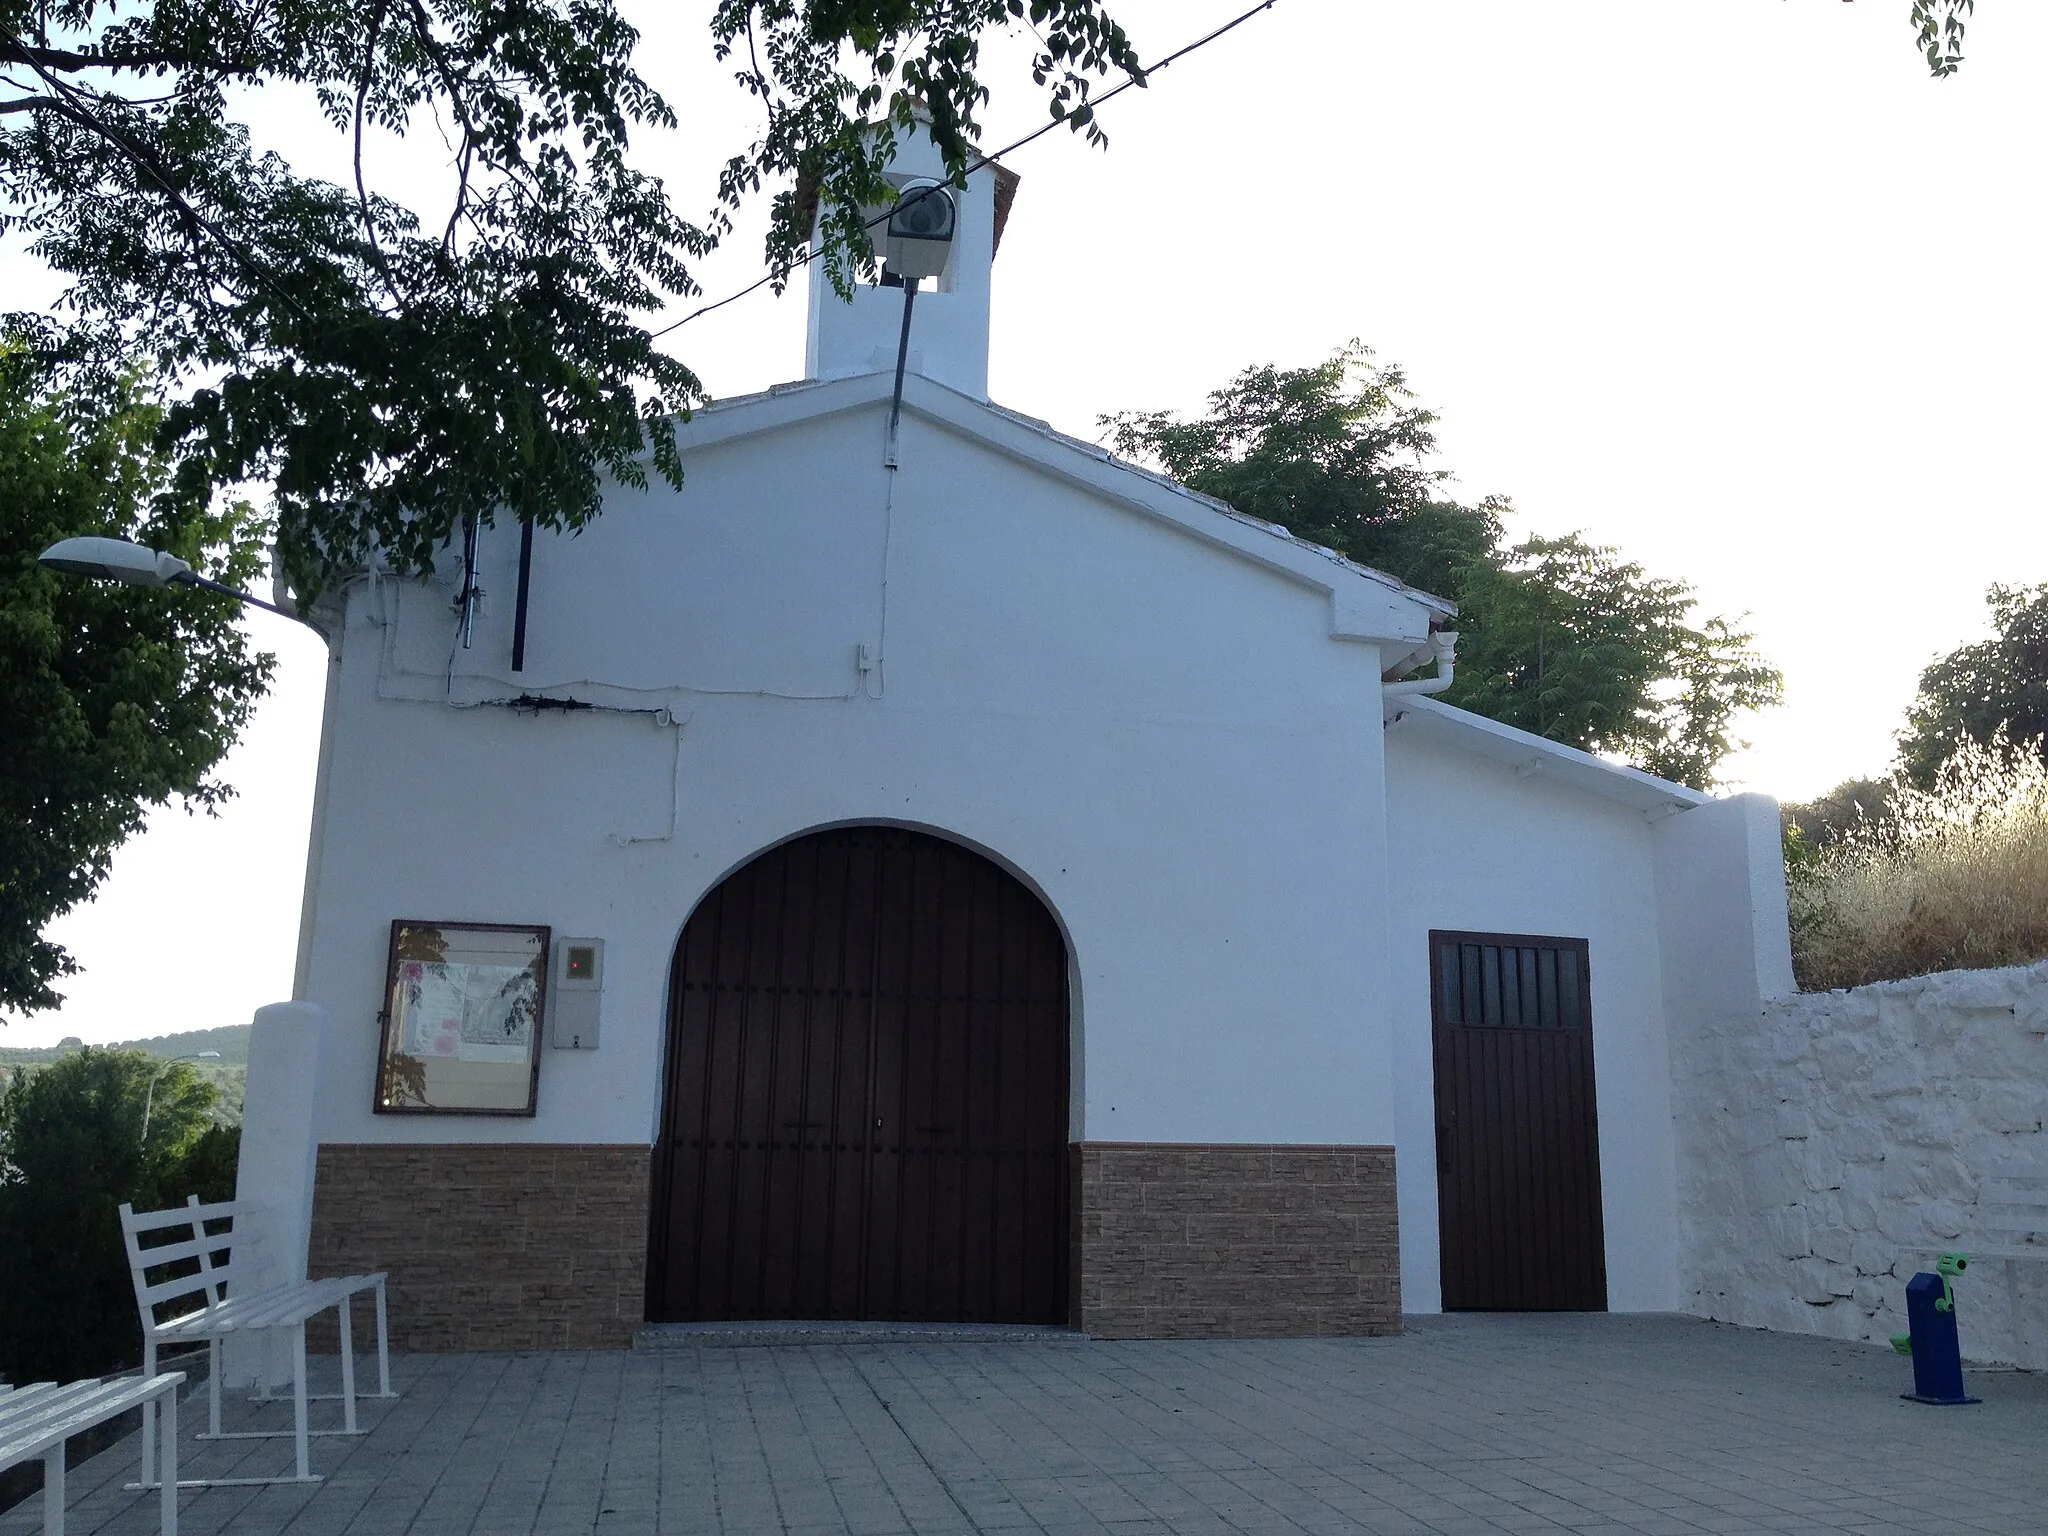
(133, 565)
(149, 1099)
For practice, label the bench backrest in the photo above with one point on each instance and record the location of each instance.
(2012, 1208)
(201, 1263)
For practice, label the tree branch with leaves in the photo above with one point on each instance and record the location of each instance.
(115, 699)
(394, 375)
(1558, 636)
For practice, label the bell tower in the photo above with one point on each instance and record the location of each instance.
(949, 334)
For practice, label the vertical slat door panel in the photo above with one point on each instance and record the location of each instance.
(865, 1105)
(884, 1235)
(788, 975)
(812, 1124)
(1518, 1163)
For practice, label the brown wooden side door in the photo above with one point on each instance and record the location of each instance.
(866, 1101)
(1517, 1133)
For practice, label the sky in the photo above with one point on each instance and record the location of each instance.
(1730, 285)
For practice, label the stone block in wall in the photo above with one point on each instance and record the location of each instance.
(1788, 1046)
(1191, 1241)
(491, 1246)
(1858, 1142)
(1944, 1219)
(1993, 991)
(1790, 1234)
(1842, 1057)
(2011, 1108)
(1993, 1049)
(1821, 1168)
(1818, 1282)
(1870, 1254)
(1859, 1207)
(1833, 1243)
(1902, 1177)
(1771, 1179)
(1898, 1074)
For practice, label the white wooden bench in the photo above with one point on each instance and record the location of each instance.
(2010, 1227)
(227, 1306)
(2012, 1215)
(36, 1421)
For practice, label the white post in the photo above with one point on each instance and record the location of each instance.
(1726, 942)
(274, 1181)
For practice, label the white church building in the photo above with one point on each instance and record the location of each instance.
(961, 876)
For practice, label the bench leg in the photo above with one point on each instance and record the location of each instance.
(53, 1490)
(148, 1410)
(383, 1347)
(348, 1365)
(167, 1517)
(213, 1387)
(305, 1468)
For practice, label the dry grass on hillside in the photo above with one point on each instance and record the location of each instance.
(1955, 878)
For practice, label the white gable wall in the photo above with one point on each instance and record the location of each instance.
(1474, 846)
(1162, 739)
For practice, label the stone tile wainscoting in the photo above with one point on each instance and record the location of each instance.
(505, 1246)
(1831, 1143)
(1176, 1241)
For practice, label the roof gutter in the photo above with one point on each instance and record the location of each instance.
(1444, 651)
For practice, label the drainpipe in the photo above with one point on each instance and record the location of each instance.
(1444, 648)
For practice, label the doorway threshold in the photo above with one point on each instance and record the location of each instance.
(786, 1334)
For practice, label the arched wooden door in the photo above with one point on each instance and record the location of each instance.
(865, 1112)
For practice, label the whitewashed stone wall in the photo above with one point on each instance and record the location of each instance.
(1831, 1143)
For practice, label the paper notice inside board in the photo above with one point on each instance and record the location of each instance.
(469, 1012)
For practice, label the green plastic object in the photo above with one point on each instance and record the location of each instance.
(1903, 1343)
(1948, 1266)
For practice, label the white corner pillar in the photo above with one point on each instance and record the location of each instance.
(1721, 910)
(274, 1178)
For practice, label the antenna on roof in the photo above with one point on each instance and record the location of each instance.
(916, 245)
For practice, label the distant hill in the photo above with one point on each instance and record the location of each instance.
(231, 1040)
(230, 1074)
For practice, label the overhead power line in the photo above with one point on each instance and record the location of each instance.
(978, 162)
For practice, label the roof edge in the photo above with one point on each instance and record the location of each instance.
(1367, 605)
(1533, 756)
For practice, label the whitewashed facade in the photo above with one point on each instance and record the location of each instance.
(1166, 720)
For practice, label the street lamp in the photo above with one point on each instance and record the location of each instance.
(133, 565)
(149, 1099)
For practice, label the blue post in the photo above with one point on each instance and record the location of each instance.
(1937, 1356)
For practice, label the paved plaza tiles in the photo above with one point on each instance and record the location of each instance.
(1657, 1425)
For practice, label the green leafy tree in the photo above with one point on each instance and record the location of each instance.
(1938, 27)
(116, 698)
(1335, 454)
(71, 1150)
(1993, 691)
(1939, 24)
(1571, 641)
(393, 373)
(1559, 636)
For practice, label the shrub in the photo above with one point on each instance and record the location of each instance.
(71, 1151)
(1946, 878)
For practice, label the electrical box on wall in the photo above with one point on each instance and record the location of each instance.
(575, 990)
